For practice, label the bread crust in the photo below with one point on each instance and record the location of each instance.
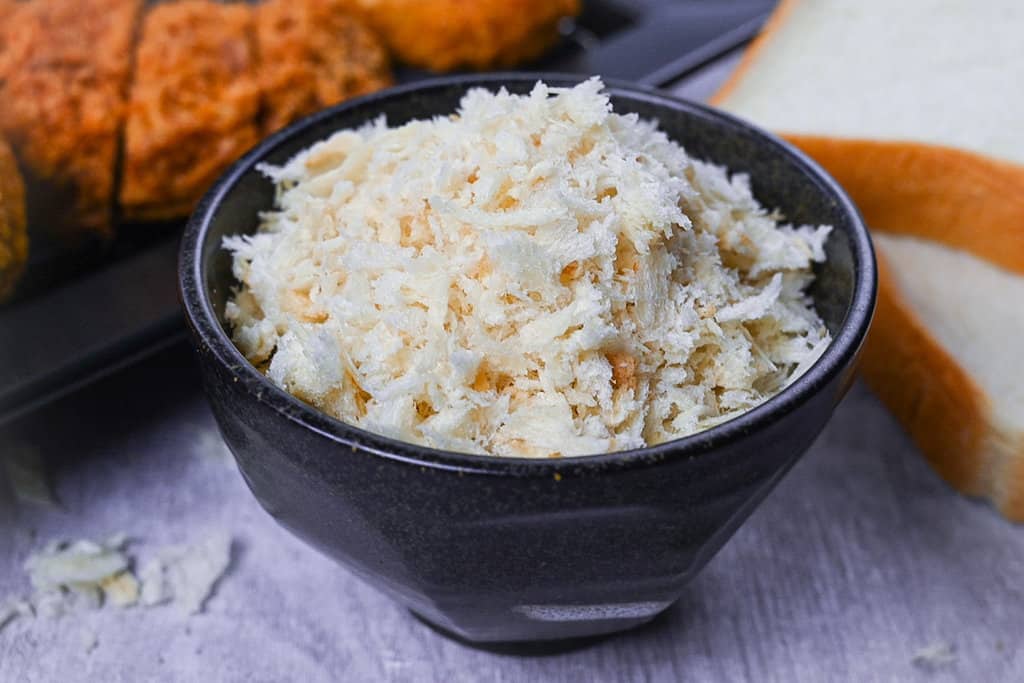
(194, 105)
(1009, 473)
(960, 199)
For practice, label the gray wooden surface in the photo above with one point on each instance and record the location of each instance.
(861, 560)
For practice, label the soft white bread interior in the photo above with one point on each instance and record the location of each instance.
(914, 108)
(974, 309)
(932, 71)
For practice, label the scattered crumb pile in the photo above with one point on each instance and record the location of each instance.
(185, 575)
(533, 276)
(67, 576)
(70, 577)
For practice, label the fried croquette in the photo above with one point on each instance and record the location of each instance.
(64, 67)
(313, 54)
(478, 34)
(13, 232)
(194, 105)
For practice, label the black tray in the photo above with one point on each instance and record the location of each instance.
(82, 315)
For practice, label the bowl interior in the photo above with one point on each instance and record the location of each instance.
(781, 179)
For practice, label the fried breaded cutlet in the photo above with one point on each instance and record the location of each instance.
(194, 105)
(477, 34)
(13, 227)
(64, 67)
(313, 54)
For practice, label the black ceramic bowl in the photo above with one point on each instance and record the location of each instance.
(508, 549)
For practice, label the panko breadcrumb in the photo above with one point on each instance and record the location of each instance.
(447, 34)
(13, 229)
(313, 54)
(194, 105)
(534, 276)
(64, 68)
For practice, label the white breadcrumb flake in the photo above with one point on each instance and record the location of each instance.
(121, 590)
(81, 575)
(186, 575)
(71, 577)
(80, 567)
(532, 276)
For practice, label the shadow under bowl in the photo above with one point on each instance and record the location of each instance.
(508, 549)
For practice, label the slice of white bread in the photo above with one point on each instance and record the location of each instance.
(946, 355)
(909, 70)
(915, 108)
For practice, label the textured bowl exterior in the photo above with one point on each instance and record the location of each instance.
(502, 550)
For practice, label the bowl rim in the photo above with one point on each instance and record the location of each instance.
(208, 332)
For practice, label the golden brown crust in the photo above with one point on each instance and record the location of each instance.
(959, 198)
(13, 228)
(64, 66)
(1011, 499)
(480, 34)
(194, 105)
(314, 54)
